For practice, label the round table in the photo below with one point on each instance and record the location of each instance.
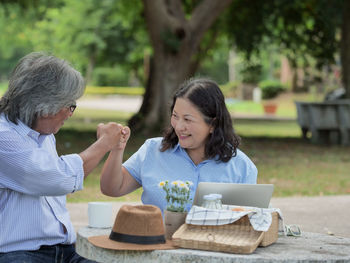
(310, 247)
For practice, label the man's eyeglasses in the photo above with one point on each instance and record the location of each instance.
(72, 108)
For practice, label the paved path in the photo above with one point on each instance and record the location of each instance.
(111, 102)
(326, 215)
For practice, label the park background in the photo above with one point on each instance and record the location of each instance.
(291, 50)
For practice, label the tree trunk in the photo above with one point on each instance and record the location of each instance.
(345, 43)
(90, 69)
(175, 41)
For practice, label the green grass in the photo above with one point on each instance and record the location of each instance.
(298, 168)
(266, 128)
(255, 108)
(293, 165)
(285, 105)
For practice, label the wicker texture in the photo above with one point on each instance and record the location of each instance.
(238, 237)
(271, 235)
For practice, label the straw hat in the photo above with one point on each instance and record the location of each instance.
(137, 227)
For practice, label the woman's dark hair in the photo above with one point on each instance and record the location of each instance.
(209, 100)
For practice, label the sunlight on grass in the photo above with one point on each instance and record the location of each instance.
(285, 104)
(266, 128)
(115, 90)
(284, 109)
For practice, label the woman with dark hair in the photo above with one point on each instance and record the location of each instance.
(199, 146)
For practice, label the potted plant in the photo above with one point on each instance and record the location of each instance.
(270, 89)
(250, 74)
(177, 197)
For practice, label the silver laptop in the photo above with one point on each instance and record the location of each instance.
(256, 195)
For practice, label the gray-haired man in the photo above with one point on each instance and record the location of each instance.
(34, 222)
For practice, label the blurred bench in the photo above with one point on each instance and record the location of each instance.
(328, 122)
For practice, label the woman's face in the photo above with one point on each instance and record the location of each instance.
(190, 127)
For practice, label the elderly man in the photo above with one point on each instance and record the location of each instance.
(34, 222)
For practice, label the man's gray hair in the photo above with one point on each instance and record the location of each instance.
(40, 85)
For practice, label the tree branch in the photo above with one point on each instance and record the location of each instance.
(202, 52)
(204, 16)
(162, 15)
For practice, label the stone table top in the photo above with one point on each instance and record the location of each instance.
(310, 247)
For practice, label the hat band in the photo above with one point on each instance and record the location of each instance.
(137, 239)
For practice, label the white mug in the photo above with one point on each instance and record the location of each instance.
(100, 214)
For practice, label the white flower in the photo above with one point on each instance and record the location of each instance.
(189, 183)
(181, 184)
(161, 184)
(186, 188)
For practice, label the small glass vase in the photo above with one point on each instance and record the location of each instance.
(172, 221)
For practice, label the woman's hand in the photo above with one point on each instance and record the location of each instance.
(114, 135)
(125, 135)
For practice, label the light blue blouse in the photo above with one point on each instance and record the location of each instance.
(149, 166)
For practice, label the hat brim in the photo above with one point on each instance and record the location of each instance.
(105, 242)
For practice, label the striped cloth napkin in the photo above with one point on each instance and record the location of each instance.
(260, 218)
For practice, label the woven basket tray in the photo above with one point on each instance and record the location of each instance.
(238, 237)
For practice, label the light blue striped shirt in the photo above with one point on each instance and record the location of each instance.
(149, 166)
(34, 182)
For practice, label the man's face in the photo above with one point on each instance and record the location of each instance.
(52, 123)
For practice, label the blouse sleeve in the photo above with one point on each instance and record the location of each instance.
(248, 170)
(135, 163)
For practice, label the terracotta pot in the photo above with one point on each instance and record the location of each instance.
(172, 221)
(270, 108)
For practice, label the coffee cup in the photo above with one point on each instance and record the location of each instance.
(100, 214)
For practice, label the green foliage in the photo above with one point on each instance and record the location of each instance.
(3, 87)
(94, 32)
(15, 39)
(300, 28)
(214, 65)
(116, 76)
(230, 89)
(100, 34)
(251, 73)
(271, 88)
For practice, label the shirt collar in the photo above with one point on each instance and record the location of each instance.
(24, 130)
(178, 148)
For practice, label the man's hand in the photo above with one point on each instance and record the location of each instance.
(109, 134)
